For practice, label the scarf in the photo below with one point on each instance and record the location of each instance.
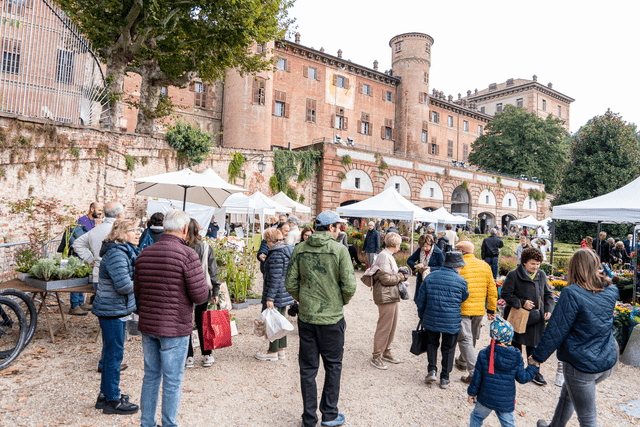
(425, 257)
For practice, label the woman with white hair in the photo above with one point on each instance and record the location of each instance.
(386, 295)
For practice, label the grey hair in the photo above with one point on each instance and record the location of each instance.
(113, 209)
(175, 221)
(493, 232)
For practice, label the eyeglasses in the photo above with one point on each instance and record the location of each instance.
(136, 230)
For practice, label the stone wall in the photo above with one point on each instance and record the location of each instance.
(77, 166)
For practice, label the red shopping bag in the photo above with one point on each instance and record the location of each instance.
(216, 330)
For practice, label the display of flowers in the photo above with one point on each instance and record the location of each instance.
(558, 284)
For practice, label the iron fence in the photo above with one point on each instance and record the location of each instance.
(48, 69)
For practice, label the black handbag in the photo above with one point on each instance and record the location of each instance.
(418, 340)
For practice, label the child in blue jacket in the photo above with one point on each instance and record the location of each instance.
(493, 386)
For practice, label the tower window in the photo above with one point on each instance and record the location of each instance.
(389, 96)
(479, 129)
(450, 121)
(519, 102)
(398, 46)
(544, 105)
(281, 64)
(357, 183)
(366, 89)
(559, 111)
(465, 126)
(499, 108)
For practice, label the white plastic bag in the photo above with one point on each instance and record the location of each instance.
(276, 324)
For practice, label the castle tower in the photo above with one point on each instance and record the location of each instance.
(246, 113)
(411, 60)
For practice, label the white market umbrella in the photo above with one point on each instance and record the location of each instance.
(263, 201)
(528, 221)
(285, 200)
(204, 189)
(448, 218)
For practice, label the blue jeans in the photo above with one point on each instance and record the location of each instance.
(112, 352)
(76, 299)
(480, 412)
(493, 263)
(163, 361)
(101, 362)
(579, 394)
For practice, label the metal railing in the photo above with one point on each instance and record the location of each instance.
(8, 252)
(374, 149)
(48, 69)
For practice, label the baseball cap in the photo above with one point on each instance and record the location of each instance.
(328, 218)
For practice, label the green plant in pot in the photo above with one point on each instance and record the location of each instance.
(27, 256)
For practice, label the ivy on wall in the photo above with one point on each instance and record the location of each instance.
(286, 163)
(235, 166)
(537, 195)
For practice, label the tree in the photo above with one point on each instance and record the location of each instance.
(604, 155)
(518, 142)
(170, 42)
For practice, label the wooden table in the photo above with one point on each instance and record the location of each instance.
(22, 286)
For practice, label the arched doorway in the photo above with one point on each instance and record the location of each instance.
(506, 220)
(486, 220)
(349, 202)
(352, 220)
(429, 209)
(460, 202)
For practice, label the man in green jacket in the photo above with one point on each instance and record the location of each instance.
(320, 277)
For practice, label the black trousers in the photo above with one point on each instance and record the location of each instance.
(529, 348)
(448, 350)
(353, 252)
(326, 341)
(198, 315)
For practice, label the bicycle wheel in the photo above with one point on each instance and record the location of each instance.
(29, 308)
(13, 331)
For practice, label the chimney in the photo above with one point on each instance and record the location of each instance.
(297, 38)
(468, 93)
(339, 53)
(375, 65)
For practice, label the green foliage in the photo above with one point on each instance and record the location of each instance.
(342, 176)
(301, 199)
(274, 185)
(27, 256)
(537, 195)
(518, 142)
(286, 163)
(346, 159)
(49, 269)
(506, 264)
(291, 193)
(464, 185)
(546, 268)
(193, 144)
(130, 161)
(238, 268)
(235, 166)
(604, 156)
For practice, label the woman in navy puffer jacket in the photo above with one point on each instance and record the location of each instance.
(580, 329)
(274, 294)
(114, 301)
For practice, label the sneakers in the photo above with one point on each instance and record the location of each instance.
(542, 423)
(467, 379)
(208, 360)
(389, 358)
(85, 306)
(267, 356)
(337, 422)
(189, 362)
(282, 354)
(120, 407)
(101, 403)
(431, 378)
(444, 383)
(78, 311)
(539, 379)
(460, 364)
(377, 363)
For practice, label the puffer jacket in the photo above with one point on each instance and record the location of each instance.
(371, 242)
(321, 278)
(275, 271)
(497, 391)
(168, 280)
(114, 294)
(580, 328)
(481, 286)
(439, 300)
(435, 262)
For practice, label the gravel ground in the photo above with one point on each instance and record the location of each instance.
(57, 384)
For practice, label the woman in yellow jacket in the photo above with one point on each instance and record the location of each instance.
(483, 296)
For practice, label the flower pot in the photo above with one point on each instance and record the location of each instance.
(234, 328)
(53, 285)
(23, 276)
(254, 301)
(239, 306)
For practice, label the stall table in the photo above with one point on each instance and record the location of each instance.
(22, 286)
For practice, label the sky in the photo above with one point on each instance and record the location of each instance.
(588, 49)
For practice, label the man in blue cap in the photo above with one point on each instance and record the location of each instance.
(320, 277)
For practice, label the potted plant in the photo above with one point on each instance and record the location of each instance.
(48, 275)
(26, 257)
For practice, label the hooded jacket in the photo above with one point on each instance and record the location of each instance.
(481, 286)
(114, 294)
(497, 391)
(581, 330)
(321, 278)
(275, 271)
(439, 300)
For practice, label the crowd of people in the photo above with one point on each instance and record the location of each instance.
(612, 250)
(167, 273)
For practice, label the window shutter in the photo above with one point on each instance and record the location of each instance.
(393, 134)
(346, 83)
(288, 66)
(437, 150)
(305, 71)
(360, 88)
(273, 106)
(421, 97)
(313, 103)
(345, 123)
(256, 92)
(382, 132)
(359, 126)
(286, 110)
(335, 80)
(369, 128)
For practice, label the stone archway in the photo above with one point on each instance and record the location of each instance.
(486, 221)
(460, 202)
(507, 218)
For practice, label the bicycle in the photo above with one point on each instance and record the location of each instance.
(13, 331)
(29, 308)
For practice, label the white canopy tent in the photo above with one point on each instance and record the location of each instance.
(448, 218)
(285, 200)
(388, 204)
(200, 213)
(528, 221)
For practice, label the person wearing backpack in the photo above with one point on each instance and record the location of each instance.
(153, 232)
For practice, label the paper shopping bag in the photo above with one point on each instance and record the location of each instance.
(216, 331)
(518, 318)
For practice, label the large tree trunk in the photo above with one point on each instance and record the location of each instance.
(115, 82)
(149, 97)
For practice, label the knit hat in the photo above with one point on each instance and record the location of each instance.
(371, 224)
(502, 332)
